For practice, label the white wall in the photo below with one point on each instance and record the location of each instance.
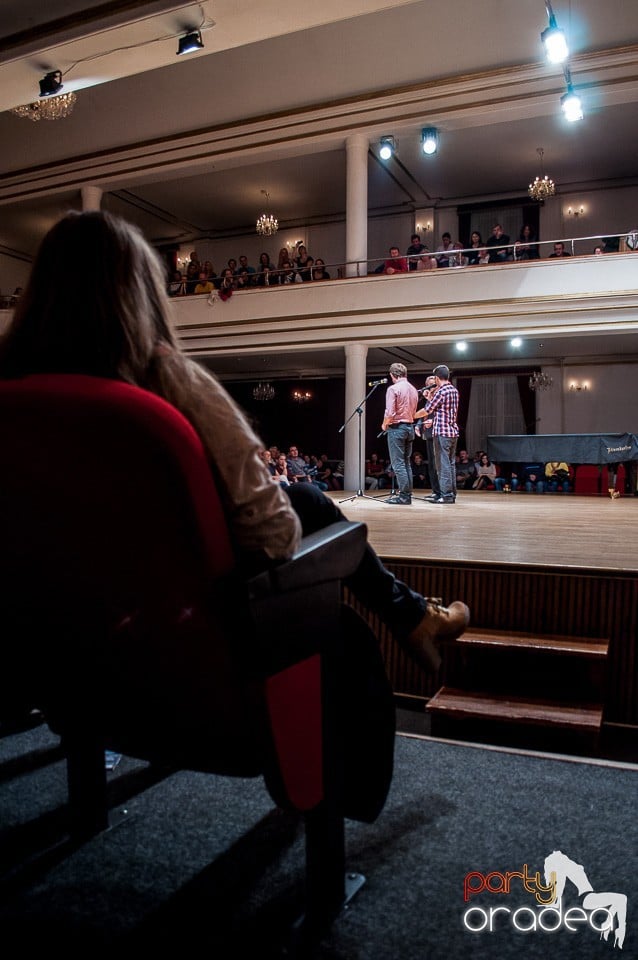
(608, 405)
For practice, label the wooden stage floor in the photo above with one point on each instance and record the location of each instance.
(555, 530)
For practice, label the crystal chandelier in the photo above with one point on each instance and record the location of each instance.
(48, 108)
(301, 396)
(266, 224)
(540, 381)
(543, 186)
(264, 391)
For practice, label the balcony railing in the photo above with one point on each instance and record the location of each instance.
(454, 257)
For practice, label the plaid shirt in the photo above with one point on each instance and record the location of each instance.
(443, 408)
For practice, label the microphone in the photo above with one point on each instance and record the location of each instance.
(377, 383)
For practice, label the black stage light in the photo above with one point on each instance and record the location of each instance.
(190, 42)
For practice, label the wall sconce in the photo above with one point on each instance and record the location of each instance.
(301, 396)
(424, 227)
(576, 386)
(575, 211)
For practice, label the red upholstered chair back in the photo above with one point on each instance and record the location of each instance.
(117, 567)
(587, 479)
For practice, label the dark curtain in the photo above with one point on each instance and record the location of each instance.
(464, 386)
(528, 402)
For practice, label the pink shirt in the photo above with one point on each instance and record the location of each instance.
(401, 401)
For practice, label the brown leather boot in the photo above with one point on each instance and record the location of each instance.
(438, 623)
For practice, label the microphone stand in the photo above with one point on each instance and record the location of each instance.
(359, 411)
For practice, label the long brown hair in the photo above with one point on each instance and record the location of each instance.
(102, 316)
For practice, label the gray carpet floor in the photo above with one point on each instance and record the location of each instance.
(202, 863)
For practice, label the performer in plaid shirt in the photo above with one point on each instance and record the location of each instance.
(442, 409)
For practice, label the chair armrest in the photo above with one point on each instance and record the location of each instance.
(324, 556)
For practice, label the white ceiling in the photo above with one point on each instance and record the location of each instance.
(473, 68)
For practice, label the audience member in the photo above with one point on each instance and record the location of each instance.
(114, 322)
(497, 244)
(526, 247)
(508, 477)
(474, 251)
(243, 280)
(559, 251)
(304, 263)
(426, 262)
(232, 265)
(598, 250)
(415, 251)
(176, 285)
(319, 272)
(557, 475)
(485, 473)
(281, 470)
(419, 471)
(443, 252)
(465, 471)
(266, 275)
(243, 265)
(192, 275)
(297, 467)
(288, 273)
(373, 471)
(204, 285)
(209, 270)
(533, 474)
(396, 263)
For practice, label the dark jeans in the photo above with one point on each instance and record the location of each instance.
(434, 477)
(444, 451)
(400, 608)
(400, 440)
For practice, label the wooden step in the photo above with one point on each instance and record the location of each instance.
(594, 648)
(454, 703)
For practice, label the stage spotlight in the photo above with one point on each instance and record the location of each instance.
(430, 140)
(516, 342)
(555, 44)
(571, 105)
(190, 42)
(51, 84)
(461, 346)
(387, 146)
(553, 38)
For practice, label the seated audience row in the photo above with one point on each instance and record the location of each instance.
(201, 278)
(536, 477)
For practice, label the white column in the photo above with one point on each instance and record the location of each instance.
(91, 198)
(356, 354)
(357, 205)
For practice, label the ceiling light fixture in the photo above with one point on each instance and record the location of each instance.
(543, 186)
(51, 108)
(190, 43)
(539, 381)
(264, 391)
(570, 102)
(266, 225)
(429, 140)
(301, 396)
(553, 38)
(387, 146)
(516, 342)
(461, 346)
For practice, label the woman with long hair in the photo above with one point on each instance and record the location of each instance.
(476, 246)
(114, 322)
